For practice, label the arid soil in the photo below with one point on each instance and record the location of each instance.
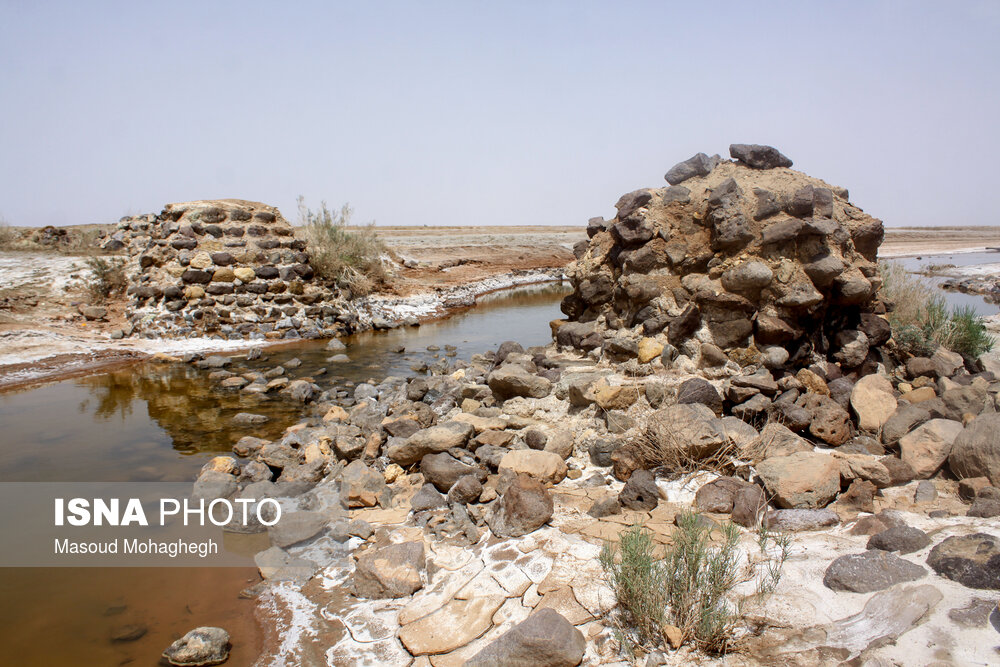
(451, 256)
(910, 241)
(42, 286)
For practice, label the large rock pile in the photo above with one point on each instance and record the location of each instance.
(230, 268)
(740, 254)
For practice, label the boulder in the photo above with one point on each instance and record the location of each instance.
(392, 571)
(749, 504)
(510, 381)
(971, 560)
(873, 402)
(718, 495)
(699, 390)
(691, 428)
(870, 571)
(799, 520)
(430, 440)
(544, 639)
(201, 646)
(427, 498)
(759, 156)
(802, 480)
(443, 470)
(904, 539)
(903, 420)
(524, 507)
(698, 165)
(546, 467)
(975, 451)
(927, 447)
(640, 492)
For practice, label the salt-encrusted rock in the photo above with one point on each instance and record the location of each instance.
(971, 560)
(392, 571)
(975, 451)
(525, 506)
(201, 646)
(800, 520)
(927, 447)
(802, 480)
(870, 571)
(544, 639)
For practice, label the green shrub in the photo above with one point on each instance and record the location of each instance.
(351, 258)
(921, 321)
(107, 278)
(691, 584)
(639, 579)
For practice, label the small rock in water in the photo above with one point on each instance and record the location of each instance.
(128, 633)
(201, 646)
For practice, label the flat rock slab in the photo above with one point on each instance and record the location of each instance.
(971, 560)
(870, 571)
(452, 626)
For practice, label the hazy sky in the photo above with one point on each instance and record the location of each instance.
(476, 113)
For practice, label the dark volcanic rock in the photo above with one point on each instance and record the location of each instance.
(971, 560)
(870, 571)
(759, 156)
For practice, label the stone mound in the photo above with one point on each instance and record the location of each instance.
(735, 253)
(229, 268)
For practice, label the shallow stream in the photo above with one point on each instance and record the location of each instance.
(163, 422)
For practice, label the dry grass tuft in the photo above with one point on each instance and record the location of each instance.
(352, 258)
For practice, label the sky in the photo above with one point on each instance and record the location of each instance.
(499, 113)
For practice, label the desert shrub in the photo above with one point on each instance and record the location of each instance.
(352, 258)
(107, 278)
(691, 584)
(968, 334)
(921, 320)
(638, 577)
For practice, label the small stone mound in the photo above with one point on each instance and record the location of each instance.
(225, 267)
(742, 253)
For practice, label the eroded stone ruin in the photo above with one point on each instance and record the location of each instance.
(229, 268)
(742, 254)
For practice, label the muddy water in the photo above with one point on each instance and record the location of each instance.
(162, 422)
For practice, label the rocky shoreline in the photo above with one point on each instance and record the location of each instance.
(456, 516)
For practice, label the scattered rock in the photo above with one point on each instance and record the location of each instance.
(392, 571)
(870, 571)
(544, 639)
(971, 560)
(201, 646)
(524, 507)
(640, 492)
(802, 480)
(903, 539)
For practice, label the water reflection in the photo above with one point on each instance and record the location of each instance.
(161, 421)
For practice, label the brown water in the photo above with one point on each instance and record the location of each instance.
(162, 422)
